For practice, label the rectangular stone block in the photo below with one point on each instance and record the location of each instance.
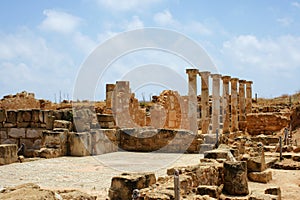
(34, 133)
(55, 139)
(62, 124)
(104, 141)
(16, 132)
(2, 115)
(260, 177)
(3, 134)
(9, 141)
(80, 144)
(9, 125)
(11, 116)
(23, 124)
(36, 116)
(8, 153)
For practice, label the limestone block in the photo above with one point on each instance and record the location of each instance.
(212, 191)
(37, 144)
(296, 158)
(219, 154)
(81, 125)
(24, 115)
(34, 133)
(58, 114)
(11, 116)
(62, 124)
(49, 122)
(274, 191)
(104, 141)
(37, 116)
(256, 164)
(56, 139)
(122, 186)
(49, 153)
(80, 144)
(3, 134)
(9, 141)
(8, 153)
(260, 177)
(235, 178)
(16, 132)
(2, 116)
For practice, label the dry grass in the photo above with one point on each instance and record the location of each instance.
(282, 100)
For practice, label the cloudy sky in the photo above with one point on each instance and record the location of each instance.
(43, 44)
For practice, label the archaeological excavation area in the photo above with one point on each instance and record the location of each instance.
(216, 142)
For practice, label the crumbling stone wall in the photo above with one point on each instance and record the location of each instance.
(161, 140)
(26, 126)
(266, 123)
(24, 100)
(295, 117)
(175, 109)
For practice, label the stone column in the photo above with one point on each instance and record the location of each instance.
(226, 103)
(248, 97)
(121, 97)
(242, 105)
(205, 118)
(192, 93)
(109, 93)
(216, 102)
(234, 101)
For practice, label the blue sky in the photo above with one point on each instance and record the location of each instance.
(44, 43)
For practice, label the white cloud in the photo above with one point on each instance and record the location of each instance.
(126, 5)
(58, 21)
(272, 63)
(133, 24)
(285, 21)
(28, 62)
(279, 53)
(198, 28)
(84, 43)
(164, 18)
(296, 4)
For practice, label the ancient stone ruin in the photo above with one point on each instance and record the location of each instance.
(241, 140)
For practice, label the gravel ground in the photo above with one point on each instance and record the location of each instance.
(91, 174)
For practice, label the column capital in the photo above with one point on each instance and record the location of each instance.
(226, 78)
(242, 81)
(216, 76)
(249, 82)
(204, 73)
(192, 71)
(234, 79)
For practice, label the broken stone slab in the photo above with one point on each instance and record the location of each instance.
(49, 153)
(122, 186)
(296, 158)
(260, 177)
(235, 178)
(274, 191)
(212, 191)
(8, 153)
(219, 154)
(256, 164)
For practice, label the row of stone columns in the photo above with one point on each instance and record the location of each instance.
(238, 100)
